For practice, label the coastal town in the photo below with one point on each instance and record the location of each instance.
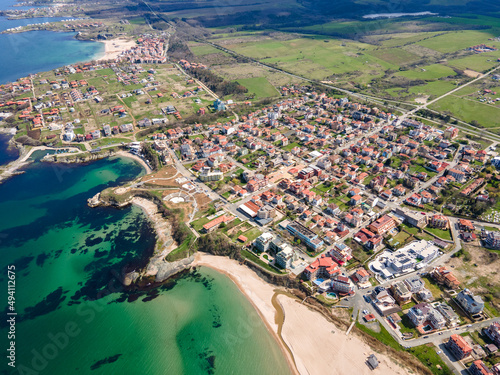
(389, 221)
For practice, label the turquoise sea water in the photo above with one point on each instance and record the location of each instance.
(74, 316)
(39, 51)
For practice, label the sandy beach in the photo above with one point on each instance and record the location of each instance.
(114, 47)
(317, 346)
(136, 158)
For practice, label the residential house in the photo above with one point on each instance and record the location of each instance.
(382, 225)
(493, 332)
(263, 242)
(470, 303)
(424, 313)
(341, 253)
(443, 276)
(323, 267)
(459, 347)
(478, 367)
(355, 200)
(439, 221)
(401, 292)
(493, 240)
(362, 275)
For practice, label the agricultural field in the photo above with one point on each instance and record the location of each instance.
(470, 19)
(398, 39)
(428, 91)
(235, 72)
(374, 60)
(435, 88)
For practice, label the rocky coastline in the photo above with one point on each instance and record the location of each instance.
(80, 158)
(158, 269)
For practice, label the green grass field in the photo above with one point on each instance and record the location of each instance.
(444, 234)
(471, 19)
(435, 88)
(477, 62)
(105, 72)
(259, 86)
(290, 146)
(129, 100)
(456, 40)
(137, 20)
(401, 39)
(468, 110)
(316, 58)
(200, 49)
(429, 72)
(110, 141)
(396, 56)
(351, 28)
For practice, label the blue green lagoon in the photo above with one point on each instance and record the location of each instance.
(74, 317)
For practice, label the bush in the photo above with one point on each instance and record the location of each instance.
(216, 244)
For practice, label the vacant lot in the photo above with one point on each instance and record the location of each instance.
(315, 58)
(477, 270)
(435, 88)
(259, 86)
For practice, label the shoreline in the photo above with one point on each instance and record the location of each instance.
(113, 48)
(267, 313)
(138, 159)
(161, 226)
(12, 168)
(310, 343)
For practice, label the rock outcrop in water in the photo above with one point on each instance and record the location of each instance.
(158, 269)
(99, 200)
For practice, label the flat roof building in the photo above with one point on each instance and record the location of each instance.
(310, 238)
